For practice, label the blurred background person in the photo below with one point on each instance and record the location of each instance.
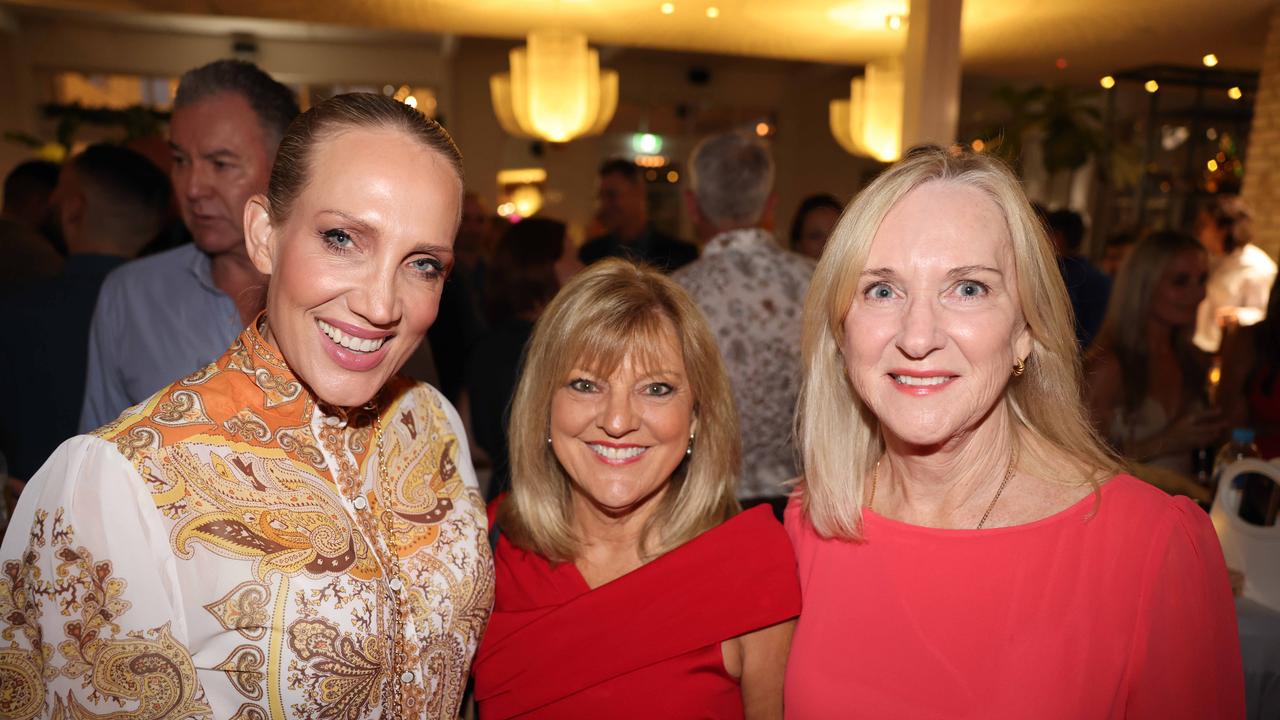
(165, 315)
(622, 209)
(812, 224)
(1116, 250)
(1249, 391)
(628, 585)
(461, 322)
(110, 201)
(1241, 273)
(1146, 379)
(533, 259)
(752, 293)
(1087, 287)
(967, 545)
(24, 222)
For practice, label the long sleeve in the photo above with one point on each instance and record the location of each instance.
(1186, 661)
(104, 391)
(90, 613)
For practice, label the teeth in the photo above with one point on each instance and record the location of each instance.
(613, 453)
(349, 342)
(920, 381)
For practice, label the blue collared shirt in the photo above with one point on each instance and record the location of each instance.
(158, 319)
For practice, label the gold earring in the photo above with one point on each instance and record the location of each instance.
(1019, 367)
(688, 451)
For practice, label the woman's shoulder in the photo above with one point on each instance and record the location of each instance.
(1141, 510)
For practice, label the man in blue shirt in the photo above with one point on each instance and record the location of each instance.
(162, 317)
(623, 210)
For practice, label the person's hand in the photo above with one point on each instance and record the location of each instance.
(1194, 430)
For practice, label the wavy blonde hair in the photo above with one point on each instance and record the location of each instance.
(610, 310)
(838, 436)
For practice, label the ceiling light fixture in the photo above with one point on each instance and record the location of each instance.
(869, 122)
(1210, 60)
(555, 90)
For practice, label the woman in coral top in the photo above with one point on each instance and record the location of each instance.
(967, 546)
(628, 585)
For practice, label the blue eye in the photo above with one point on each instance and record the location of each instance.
(971, 288)
(879, 291)
(429, 267)
(338, 239)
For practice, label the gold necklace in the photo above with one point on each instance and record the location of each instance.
(391, 570)
(1008, 473)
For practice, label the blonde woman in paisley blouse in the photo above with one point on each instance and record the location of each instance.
(292, 531)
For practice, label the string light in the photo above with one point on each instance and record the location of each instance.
(1235, 93)
(1210, 60)
(1151, 86)
(1107, 82)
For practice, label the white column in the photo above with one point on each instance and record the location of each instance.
(931, 72)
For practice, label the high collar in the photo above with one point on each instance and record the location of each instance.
(266, 380)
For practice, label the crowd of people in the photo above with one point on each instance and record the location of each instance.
(919, 458)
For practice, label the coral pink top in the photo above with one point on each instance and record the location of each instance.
(1122, 613)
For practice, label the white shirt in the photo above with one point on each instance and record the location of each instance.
(1241, 280)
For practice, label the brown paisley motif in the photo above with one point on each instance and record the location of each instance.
(244, 669)
(201, 376)
(250, 712)
(245, 425)
(182, 407)
(278, 389)
(299, 441)
(138, 438)
(21, 684)
(341, 672)
(152, 669)
(244, 609)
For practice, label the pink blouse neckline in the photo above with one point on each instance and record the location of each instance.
(1082, 509)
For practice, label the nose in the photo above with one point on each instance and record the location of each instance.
(921, 331)
(618, 416)
(194, 180)
(376, 300)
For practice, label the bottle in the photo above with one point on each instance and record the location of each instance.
(1259, 496)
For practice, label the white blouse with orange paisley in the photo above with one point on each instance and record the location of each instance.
(230, 548)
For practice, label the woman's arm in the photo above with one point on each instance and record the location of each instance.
(759, 660)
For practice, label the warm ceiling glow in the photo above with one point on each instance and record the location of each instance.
(762, 129)
(1107, 82)
(869, 15)
(1234, 93)
(1213, 165)
(713, 12)
(869, 122)
(668, 8)
(894, 22)
(651, 161)
(411, 101)
(1210, 60)
(555, 90)
(522, 176)
(1151, 86)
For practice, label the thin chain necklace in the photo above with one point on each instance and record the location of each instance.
(391, 571)
(1008, 473)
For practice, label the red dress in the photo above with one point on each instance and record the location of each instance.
(1126, 613)
(646, 645)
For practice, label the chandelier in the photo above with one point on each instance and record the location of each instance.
(556, 90)
(869, 123)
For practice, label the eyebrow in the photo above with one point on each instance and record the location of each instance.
(365, 228)
(885, 273)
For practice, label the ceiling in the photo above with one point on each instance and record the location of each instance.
(1009, 38)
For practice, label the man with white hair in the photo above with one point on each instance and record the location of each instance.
(752, 292)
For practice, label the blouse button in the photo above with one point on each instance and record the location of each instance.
(333, 421)
(396, 584)
(360, 503)
(406, 676)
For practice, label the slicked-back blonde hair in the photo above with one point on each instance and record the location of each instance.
(613, 309)
(838, 435)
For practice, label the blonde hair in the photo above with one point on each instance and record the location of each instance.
(613, 309)
(838, 435)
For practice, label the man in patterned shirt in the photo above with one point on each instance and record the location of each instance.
(752, 292)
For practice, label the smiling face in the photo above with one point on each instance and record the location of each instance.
(358, 266)
(935, 327)
(1177, 295)
(220, 160)
(620, 438)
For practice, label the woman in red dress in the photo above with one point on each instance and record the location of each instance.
(967, 546)
(627, 585)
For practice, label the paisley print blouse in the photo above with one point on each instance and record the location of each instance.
(222, 550)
